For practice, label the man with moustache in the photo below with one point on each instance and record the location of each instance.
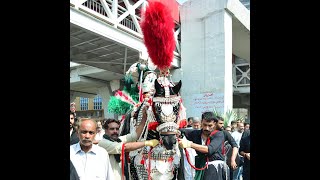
(73, 134)
(208, 150)
(90, 161)
(112, 142)
(100, 133)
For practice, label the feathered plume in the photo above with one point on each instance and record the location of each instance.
(157, 27)
(125, 97)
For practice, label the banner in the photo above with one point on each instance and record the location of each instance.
(203, 102)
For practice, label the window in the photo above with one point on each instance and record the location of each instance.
(84, 103)
(97, 103)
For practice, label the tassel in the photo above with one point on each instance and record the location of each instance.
(125, 97)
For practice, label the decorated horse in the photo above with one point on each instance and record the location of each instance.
(163, 109)
(160, 101)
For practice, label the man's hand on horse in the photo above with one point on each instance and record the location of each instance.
(184, 143)
(152, 142)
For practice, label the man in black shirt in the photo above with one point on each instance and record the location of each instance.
(245, 152)
(73, 133)
(208, 144)
(231, 147)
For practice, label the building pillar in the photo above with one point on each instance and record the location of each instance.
(105, 93)
(248, 117)
(206, 65)
(72, 96)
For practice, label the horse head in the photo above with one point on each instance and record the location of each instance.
(166, 106)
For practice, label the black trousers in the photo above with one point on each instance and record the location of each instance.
(218, 172)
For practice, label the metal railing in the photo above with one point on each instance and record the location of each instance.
(96, 6)
(111, 12)
(241, 75)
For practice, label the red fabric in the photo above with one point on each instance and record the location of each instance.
(208, 139)
(141, 97)
(150, 101)
(122, 160)
(153, 125)
(183, 123)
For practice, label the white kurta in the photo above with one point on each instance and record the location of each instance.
(115, 148)
(93, 165)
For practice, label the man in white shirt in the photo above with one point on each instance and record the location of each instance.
(238, 133)
(90, 161)
(112, 142)
(237, 137)
(196, 123)
(188, 171)
(100, 133)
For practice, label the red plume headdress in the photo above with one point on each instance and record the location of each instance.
(157, 26)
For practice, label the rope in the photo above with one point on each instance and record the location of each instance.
(122, 160)
(207, 143)
(149, 166)
(199, 169)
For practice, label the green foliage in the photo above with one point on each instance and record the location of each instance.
(229, 116)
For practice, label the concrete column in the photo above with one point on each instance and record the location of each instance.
(105, 93)
(72, 97)
(248, 115)
(206, 45)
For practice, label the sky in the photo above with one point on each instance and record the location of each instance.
(181, 1)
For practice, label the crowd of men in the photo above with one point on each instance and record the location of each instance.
(212, 151)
